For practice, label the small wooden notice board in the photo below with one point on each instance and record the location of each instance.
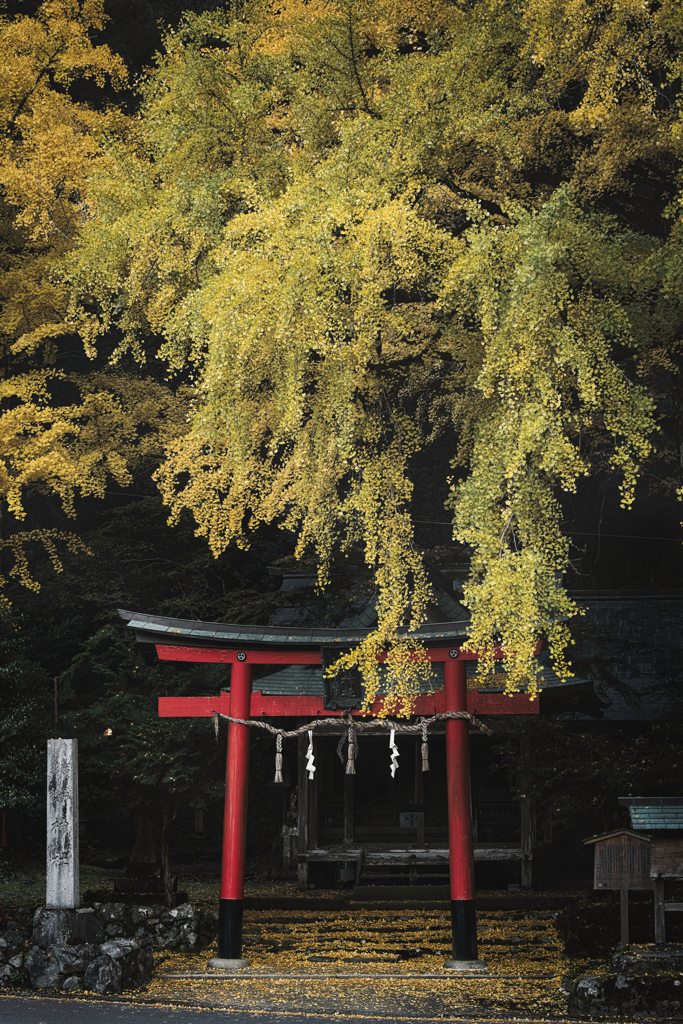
(623, 862)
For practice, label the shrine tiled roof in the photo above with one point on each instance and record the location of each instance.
(160, 629)
(308, 680)
(654, 814)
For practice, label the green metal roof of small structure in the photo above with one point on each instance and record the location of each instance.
(655, 814)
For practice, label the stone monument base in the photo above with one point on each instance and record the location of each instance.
(60, 927)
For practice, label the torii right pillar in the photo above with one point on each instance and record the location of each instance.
(460, 838)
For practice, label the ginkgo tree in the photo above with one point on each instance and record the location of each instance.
(68, 422)
(47, 147)
(352, 227)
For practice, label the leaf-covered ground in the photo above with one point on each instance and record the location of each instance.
(360, 961)
(377, 961)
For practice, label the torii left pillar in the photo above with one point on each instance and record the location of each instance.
(231, 907)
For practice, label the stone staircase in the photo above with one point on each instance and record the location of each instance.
(384, 960)
(413, 938)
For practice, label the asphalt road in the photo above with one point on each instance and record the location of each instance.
(36, 1010)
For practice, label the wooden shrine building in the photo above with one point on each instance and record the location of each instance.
(278, 673)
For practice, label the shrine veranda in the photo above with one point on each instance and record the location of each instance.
(244, 648)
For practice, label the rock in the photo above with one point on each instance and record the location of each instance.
(61, 927)
(74, 959)
(16, 962)
(645, 959)
(656, 995)
(140, 915)
(103, 975)
(116, 920)
(184, 928)
(136, 961)
(42, 970)
(5, 975)
(117, 949)
(72, 984)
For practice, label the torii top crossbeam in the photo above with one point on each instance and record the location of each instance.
(223, 643)
(243, 647)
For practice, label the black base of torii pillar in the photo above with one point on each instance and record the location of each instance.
(231, 906)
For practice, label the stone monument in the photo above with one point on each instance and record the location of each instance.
(60, 921)
(62, 825)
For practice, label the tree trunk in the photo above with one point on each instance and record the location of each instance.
(145, 856)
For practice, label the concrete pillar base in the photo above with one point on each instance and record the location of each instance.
(465, 965)
(219, 964)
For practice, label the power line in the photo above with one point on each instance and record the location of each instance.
(441, 522)
(572, 533)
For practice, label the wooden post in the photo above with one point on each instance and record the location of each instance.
(418, 790)
(623, 908)
(527, 830)
(349, 833)
(660, 926)
(302, 807)
(460, 840)
(527, 815)
(231, 907)
(313, 786)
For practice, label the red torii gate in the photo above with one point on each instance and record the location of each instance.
(243, 647)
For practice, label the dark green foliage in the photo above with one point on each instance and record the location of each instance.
(576, 770)
(24, 696)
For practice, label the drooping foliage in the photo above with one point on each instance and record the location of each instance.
(68, 423)
(352, 228)
(48, 145)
